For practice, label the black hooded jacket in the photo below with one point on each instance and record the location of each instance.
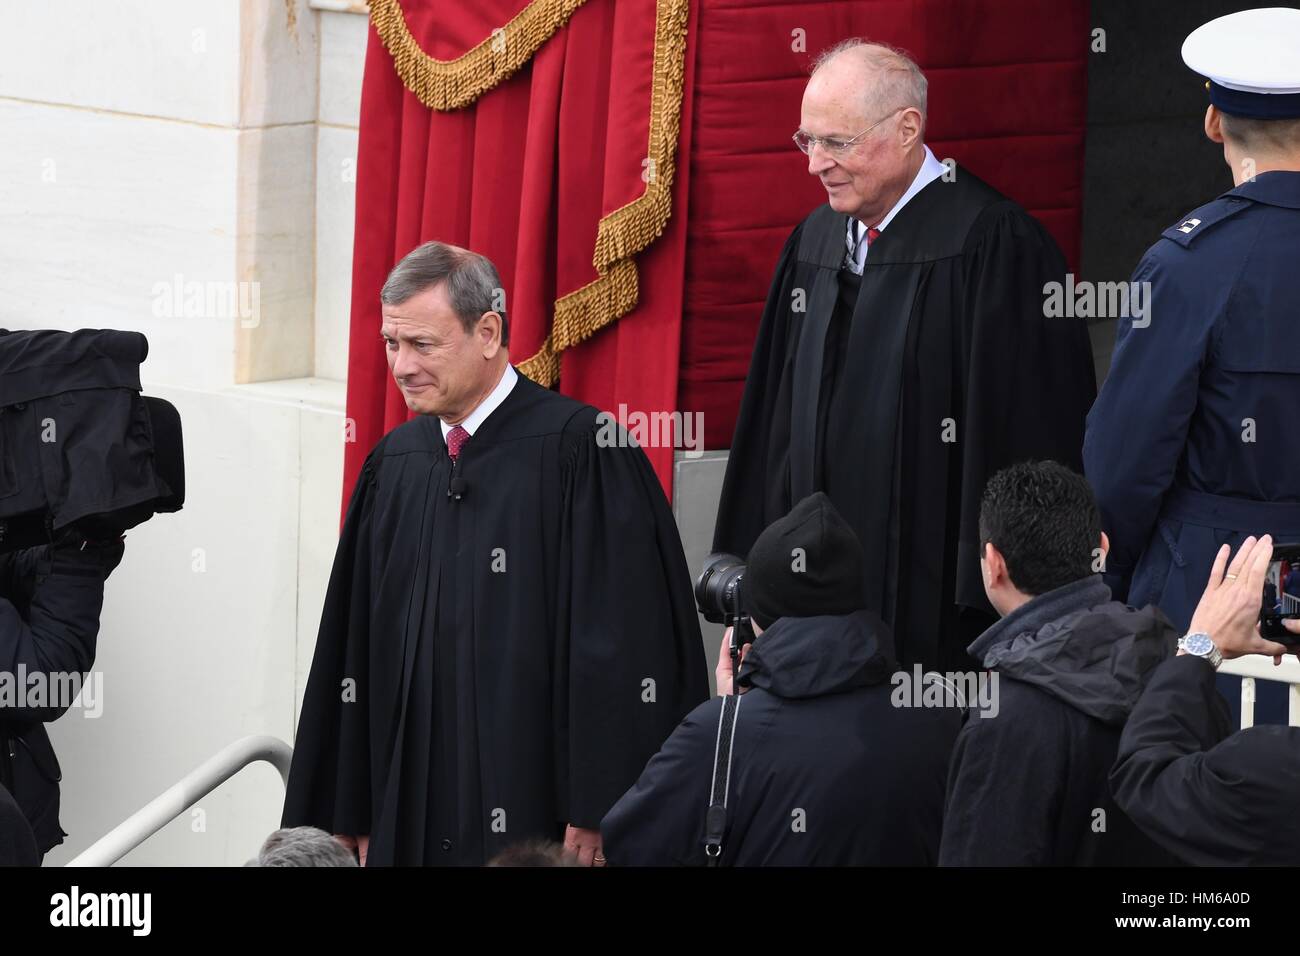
(50, 601)
(826, 770)
(1028, 786)
(1212, 795)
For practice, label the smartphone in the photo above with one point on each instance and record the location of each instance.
(1281, 598)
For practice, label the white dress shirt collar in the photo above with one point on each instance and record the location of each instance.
(931, 169)
(486, 407)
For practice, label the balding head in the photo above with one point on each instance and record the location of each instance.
(885, 77)
(872, 97)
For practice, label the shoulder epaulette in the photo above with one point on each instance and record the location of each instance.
(1202, 220)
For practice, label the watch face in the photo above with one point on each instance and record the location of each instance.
(1198, 644)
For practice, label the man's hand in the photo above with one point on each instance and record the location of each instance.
(1229, 608)
(361, 844)
(723, 671)
(585, 845)
(1292, 625)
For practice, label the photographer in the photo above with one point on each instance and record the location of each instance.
(1209, 795)
(825, 770)
(50, 599)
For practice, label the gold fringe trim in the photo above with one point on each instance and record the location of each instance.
(453, 84)
(543, 367)
(579, 314)
(632, 228)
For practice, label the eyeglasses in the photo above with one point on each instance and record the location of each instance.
(807, 142)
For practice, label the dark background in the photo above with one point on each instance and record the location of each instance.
(1147, 161)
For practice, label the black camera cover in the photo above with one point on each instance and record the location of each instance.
(81, 450)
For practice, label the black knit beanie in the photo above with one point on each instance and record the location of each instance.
(805, 564)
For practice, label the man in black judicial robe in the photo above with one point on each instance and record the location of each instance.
(509, 632)
(903, 357)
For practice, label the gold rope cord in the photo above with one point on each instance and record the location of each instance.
(452, 84)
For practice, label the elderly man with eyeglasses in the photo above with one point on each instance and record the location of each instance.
(904, 356)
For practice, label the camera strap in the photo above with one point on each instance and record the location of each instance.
(715, 820)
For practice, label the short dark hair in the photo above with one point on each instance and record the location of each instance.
(1043, 518)
(1267, 134)
(473, 283)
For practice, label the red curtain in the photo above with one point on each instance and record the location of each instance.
(1007, 100)
(523, 175)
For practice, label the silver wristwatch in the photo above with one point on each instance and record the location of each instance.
(1199, 644)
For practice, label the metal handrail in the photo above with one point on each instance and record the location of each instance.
(1255, 667)
(189, 790)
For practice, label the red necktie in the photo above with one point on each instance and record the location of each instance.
(456, 439)
(871, 236)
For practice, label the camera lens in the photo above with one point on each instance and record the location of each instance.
(719, 589)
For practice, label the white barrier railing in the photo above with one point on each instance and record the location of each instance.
(1255, 667)
(192, 788)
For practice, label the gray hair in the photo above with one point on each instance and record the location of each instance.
(473, 284)
(534, 853)
(303, 846)
(898, 81)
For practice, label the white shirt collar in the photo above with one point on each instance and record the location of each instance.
(931, 169)
(486, 407)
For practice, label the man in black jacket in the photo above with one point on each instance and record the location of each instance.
(826, 770)
(1211, 796)
(1028, 787)
(50, 599)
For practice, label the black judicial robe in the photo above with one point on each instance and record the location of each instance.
(517, 654)
(900, 393)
